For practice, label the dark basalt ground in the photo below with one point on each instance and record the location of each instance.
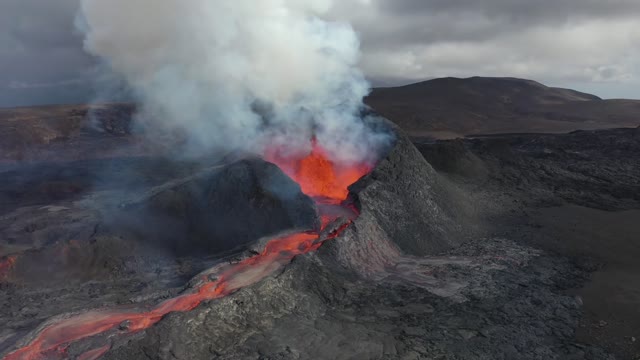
(124, 244)
(450, 263)
(218, 210)
(576, 195)
(597, 169)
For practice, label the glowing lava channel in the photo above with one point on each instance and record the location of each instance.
(318, 177)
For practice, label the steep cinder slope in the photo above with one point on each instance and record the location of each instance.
(416, 208)
(220, 209)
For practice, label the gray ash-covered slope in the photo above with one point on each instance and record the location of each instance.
(599, 169)
(416, 208)
(220, 209)
(371, 293)
(575, 194)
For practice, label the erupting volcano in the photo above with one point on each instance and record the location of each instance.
(319, 177)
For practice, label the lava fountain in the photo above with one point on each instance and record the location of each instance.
(319, 177)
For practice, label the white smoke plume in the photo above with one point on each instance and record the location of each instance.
(238, 74)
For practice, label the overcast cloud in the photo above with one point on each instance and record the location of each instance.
(590, 45)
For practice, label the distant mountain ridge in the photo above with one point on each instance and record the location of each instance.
(440, 108)
(450, 107)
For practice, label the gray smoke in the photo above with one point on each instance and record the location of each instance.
(238, 74)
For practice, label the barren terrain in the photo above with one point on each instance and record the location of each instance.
(577, 195)
(451, 107)
(512, 246)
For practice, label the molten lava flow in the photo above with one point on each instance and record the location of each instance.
(318, 177)
(95, 353)
(54, 338)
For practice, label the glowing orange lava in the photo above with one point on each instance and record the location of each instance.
(318, 177)
(95, 353)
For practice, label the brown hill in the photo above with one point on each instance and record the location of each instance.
(452, 107)
(440, 108)
(59, 131)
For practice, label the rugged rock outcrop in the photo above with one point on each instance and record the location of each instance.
(219, 209)
(411, 204)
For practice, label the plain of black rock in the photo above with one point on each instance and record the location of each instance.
(302, 180)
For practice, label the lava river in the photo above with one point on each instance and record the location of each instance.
(318, 177)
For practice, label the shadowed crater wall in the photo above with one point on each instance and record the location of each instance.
(218, 210)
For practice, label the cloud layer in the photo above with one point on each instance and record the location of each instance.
(588, 44)
(581, 43)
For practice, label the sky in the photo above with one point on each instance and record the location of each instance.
(588, 45)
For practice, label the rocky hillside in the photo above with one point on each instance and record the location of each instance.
(452, 107)
(64, 132)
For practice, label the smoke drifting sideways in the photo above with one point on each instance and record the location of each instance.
(239, 75)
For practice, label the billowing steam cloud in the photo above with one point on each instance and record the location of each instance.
(238, 74)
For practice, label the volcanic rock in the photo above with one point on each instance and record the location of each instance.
(596, 168)
(405, 209)
(220, 209)
(411, 204)
(315, 309)
(399, 283)
(575, 194)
